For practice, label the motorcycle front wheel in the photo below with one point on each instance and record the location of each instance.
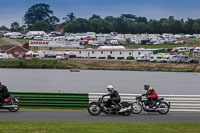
(136, 107)
(94, 109)
(163, 108)
(14, 109)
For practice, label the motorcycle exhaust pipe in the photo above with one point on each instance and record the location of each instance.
(125, 109)
(159, 109)
(9, 106)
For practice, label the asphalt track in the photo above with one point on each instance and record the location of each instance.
(83, 116)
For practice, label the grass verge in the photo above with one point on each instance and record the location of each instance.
(22, 41)
(2, 42)
(96, 127)
(99, 65)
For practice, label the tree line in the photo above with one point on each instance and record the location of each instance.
(40, 17)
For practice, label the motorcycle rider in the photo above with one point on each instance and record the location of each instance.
(151, 94)
(4, 93)
(114, 96)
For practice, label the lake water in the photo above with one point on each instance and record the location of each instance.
(95, 81)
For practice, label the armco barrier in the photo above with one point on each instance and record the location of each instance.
(177, 102)
(52, 100)
(73, 100)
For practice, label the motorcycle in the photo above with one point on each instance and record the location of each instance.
(10, 103)
(161, 106)
(95, 108)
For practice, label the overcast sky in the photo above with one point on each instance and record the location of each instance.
(14, 10)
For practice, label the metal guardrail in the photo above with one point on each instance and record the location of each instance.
(190, 103)
(52, 100)
(75, 100)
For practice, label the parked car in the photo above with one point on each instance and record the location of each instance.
(182, 58)
(182, 49)
(166, 58)
(29, 37)
(39, 55)
(173, 58)
(5, 56)
(21, 55)
(63, 56)
(157, 58)
(38, 38)
(1, 34)
(192, 60)
(160, 59)
(142, 58)
(197, 50)
(153, 58)
(11, 57)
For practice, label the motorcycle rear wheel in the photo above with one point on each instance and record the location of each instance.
(165, 107)
(136, 108)
(94, 109)
(16, 108)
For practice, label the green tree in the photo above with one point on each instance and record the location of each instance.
(54, 21)
(79, 25)
(84, 24)
(154, 26)
(40, 12)
(188, 26)
(111, 24)
(177, 27)
(73, 27)
(69, 17)
(196, 26)
(128, 23)
(3, 27)
(40, 26)
(142, 28)
(142, 19)
(124, 25)
(15, 27)
(129, 16)
(94, 16)
(165, 26)
(96, 24)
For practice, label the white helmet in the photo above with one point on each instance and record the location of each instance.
(110, 88)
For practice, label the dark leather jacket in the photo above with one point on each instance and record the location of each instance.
(113, 94)
(4, 91)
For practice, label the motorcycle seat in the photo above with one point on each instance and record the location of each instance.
(159, 99)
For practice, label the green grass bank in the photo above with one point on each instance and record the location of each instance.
(85, 64)
(96, 127)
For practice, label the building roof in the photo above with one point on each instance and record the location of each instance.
(9, 47)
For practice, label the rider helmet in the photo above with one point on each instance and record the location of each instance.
(110, 88)
(146, 87)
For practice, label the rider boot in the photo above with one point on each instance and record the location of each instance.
(109, 110)
(1, 101)
(116, 105)
(152, 104)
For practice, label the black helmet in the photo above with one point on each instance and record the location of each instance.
(146, 87)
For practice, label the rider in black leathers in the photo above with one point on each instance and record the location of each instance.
(4, 93)
(114, 96)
